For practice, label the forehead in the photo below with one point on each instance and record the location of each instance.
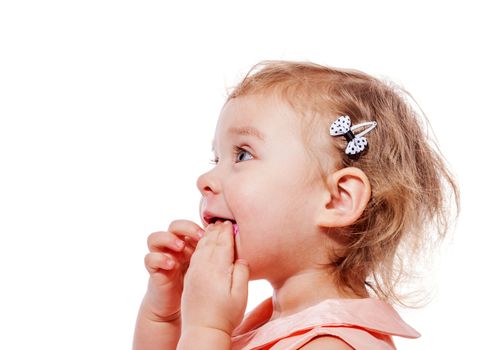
(264, 118)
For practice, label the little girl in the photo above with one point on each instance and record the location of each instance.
(324, 184)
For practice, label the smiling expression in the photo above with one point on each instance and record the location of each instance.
(261, 180)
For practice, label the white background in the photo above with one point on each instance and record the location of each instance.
(107, 112)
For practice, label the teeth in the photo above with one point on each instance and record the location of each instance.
(235, 226)
(219, 220)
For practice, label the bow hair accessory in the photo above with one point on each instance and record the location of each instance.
(356, 143)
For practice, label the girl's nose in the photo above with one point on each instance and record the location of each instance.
(207, 183)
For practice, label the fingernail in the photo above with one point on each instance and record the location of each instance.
(200, 233)
(242, 261)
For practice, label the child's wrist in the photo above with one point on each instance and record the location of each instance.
(204, 338)
(170, 318)
(154, 317)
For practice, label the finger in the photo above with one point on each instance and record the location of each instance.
(208, 240)
(214, 232)
(240, 279)
(156, 261)
(157, 241)
(190, 242)
(221, 237)
(226, 236)
(187, 252)
(186, 228)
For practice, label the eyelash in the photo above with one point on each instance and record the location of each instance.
(236, 151)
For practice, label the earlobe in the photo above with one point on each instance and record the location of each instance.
(347, 197)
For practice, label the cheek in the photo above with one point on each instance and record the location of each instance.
(263, 215)
(265, 201)
(251, 201)
(268, 217)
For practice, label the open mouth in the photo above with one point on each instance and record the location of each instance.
(216, 219)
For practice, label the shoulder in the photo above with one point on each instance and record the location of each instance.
(326, 342)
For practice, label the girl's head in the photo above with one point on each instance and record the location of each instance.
(300, 201)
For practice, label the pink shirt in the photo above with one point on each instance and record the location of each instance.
(364, 324)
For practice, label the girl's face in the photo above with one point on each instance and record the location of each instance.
(261, 181)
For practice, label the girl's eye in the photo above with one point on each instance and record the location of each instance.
(236, 152)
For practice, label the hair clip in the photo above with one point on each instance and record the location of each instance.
(356, 143)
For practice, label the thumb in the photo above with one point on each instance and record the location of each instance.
(241, 277)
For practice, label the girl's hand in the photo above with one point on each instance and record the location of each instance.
(167, 264)
(216, 288)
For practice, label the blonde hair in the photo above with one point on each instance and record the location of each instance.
(408, 211)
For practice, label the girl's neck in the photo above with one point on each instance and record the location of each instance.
(307, 289)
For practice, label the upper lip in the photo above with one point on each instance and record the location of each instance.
(208, 215)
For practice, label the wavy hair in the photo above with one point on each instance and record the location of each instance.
(409, 211)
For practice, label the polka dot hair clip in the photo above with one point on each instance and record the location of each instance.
(356, 143)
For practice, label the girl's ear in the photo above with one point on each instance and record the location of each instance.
(349, 193)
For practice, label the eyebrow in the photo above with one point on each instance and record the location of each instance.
(244, 130)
